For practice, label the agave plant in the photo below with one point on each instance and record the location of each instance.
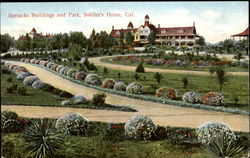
(223, 147)
(42, 140)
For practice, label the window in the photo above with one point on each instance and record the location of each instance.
(182, 37)
(176, 37)
(117, 32)
(190, 37)
(163, 31)
(180, 31)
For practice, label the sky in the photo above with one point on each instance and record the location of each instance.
(215, 21)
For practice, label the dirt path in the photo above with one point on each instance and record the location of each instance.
(161, 114)
(97, 61)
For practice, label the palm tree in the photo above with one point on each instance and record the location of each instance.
(221, 77)
(42, 140)
(183, 48)
(197, 49)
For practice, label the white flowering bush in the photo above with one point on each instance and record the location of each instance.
(120, 86)
(209, 130)
(70, 72)
(19, 70)
(59, 68)
(135, 88)
(191, 97)
(7, 63)
(33, 61)
(30, 80)
(108, 83)
(93, 79)
(140, 127)
(62, 70)
(22, 59)
(72, 124)
(79, 99)
(50, 64)
(38, 84)
(65, 103)
(81, 75)
(214, 99)
(23, 75)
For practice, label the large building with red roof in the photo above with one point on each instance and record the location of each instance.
(244, 34)
(175, 36)
(33, 34)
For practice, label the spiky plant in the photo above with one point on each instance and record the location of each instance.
(224, 147)
(42, 140)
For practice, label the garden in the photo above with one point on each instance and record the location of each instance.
(187, 61)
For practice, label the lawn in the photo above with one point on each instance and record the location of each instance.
(39, 97)
(190, 68)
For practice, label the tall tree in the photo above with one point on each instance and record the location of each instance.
(200, 41)
(129, 38)
(121, 39)
(6, 42)
(152, 37)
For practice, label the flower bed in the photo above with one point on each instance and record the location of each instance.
(108, 83)
(214, 99)
(30, 80)
(81, 75)
(191, 97)
(166, 93)
(135, 88)
(93, 79)
(120, 86)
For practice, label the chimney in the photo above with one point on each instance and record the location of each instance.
(159, 26)
(113, 27)
(193, 24)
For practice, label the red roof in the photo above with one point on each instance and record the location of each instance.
(33, 30)
(176, 31)
(147, 17)
(130, 24)
(244, 33)
(114, 34)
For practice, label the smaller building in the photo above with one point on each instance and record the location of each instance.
(33, 34)
(242, 35)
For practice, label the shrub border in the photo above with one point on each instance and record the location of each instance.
(150, 98)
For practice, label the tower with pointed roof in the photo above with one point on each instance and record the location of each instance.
(146, 20)
(130, 25)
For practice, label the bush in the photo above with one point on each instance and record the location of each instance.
(80, 75)
(6, 71)
(191, 97)
(62, 70)
(208, 131)
(120, 86)
(92, 66)
(140, 68)
(72, 124)
(56, 91)
(244, 64)
(50, 64)
(38, 84)
(29, 80)
(65, 94)
(214, 99)
(140, 127)
(70, 72)
(65, 103)
(54, 67)
(10, 122)
(79, 99)
(9, 90)
(9, 79)
(108, 83)
(59, 68)
(166, 93)
(20, 70)
(22, 90)
(99, 99)
(14, 87)
(48, 88)
(23, 75)
(135, 88)
(93, 79)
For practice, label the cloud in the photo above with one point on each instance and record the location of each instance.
(210, 14)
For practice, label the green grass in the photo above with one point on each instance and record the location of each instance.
(191, 68)
(38, 97)
(237, 85)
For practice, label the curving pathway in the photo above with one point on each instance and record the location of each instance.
(97, 61)
(161, 114)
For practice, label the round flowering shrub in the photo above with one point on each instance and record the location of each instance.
(22, 59)
(30, 79)
(166, 93)
(27, 60)
(53, 67)
(33, 61)
(208, 131)
(11, 122)
(93, 79)
(191, 97)
(108, 83)
(214, 99)
(37, 61)
(72, 124)
(80, 75)
(120, 86)
(79, 99)
(3, 62)
(45, 63)
(50, 64)
(7, 63)
(65, 71)
(70, 72)
(65, 103)
(38, 84)
(62, 70)
(23, 75)
(135, 88)
(140, 127)
(59, 68)
(12, 66)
